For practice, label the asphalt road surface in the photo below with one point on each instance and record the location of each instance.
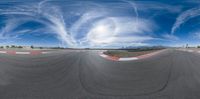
(171, 74)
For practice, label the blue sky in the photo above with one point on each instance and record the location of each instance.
(99, 23)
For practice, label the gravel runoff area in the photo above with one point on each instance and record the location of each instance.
(126, 53)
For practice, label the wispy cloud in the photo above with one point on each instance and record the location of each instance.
(195, 35)
(6, 31)
(152, 5)
(97, 26)
(87, 17)
(170, 37)
(45, 13)
(116, 30)
(184, 17)
(134, 6)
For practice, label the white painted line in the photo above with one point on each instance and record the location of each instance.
(45, 52)
(22, 52)
(3, 52)
(103, 55)
(128, 59)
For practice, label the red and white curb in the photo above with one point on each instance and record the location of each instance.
(23, 53)
(114, 58)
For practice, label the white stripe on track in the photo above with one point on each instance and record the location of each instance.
(103, 55)
(45, 52)
(3, 52)
(128, 59)
(23, 53)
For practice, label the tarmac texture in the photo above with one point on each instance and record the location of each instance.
(79, 74)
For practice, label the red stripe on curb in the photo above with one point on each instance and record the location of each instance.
(35, 52)
(11, 52)
(112, 58)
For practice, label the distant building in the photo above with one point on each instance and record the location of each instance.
(187, 46)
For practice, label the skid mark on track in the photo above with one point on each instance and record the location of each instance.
(92, 91)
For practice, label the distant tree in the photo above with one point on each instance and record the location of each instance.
(20, 47)
(198, 46)
(32, 46)
(7, 46)
(1, 46)
(12, 46)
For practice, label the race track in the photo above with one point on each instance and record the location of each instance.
(82, 74)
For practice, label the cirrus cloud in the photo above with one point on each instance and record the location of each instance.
(92, 28)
